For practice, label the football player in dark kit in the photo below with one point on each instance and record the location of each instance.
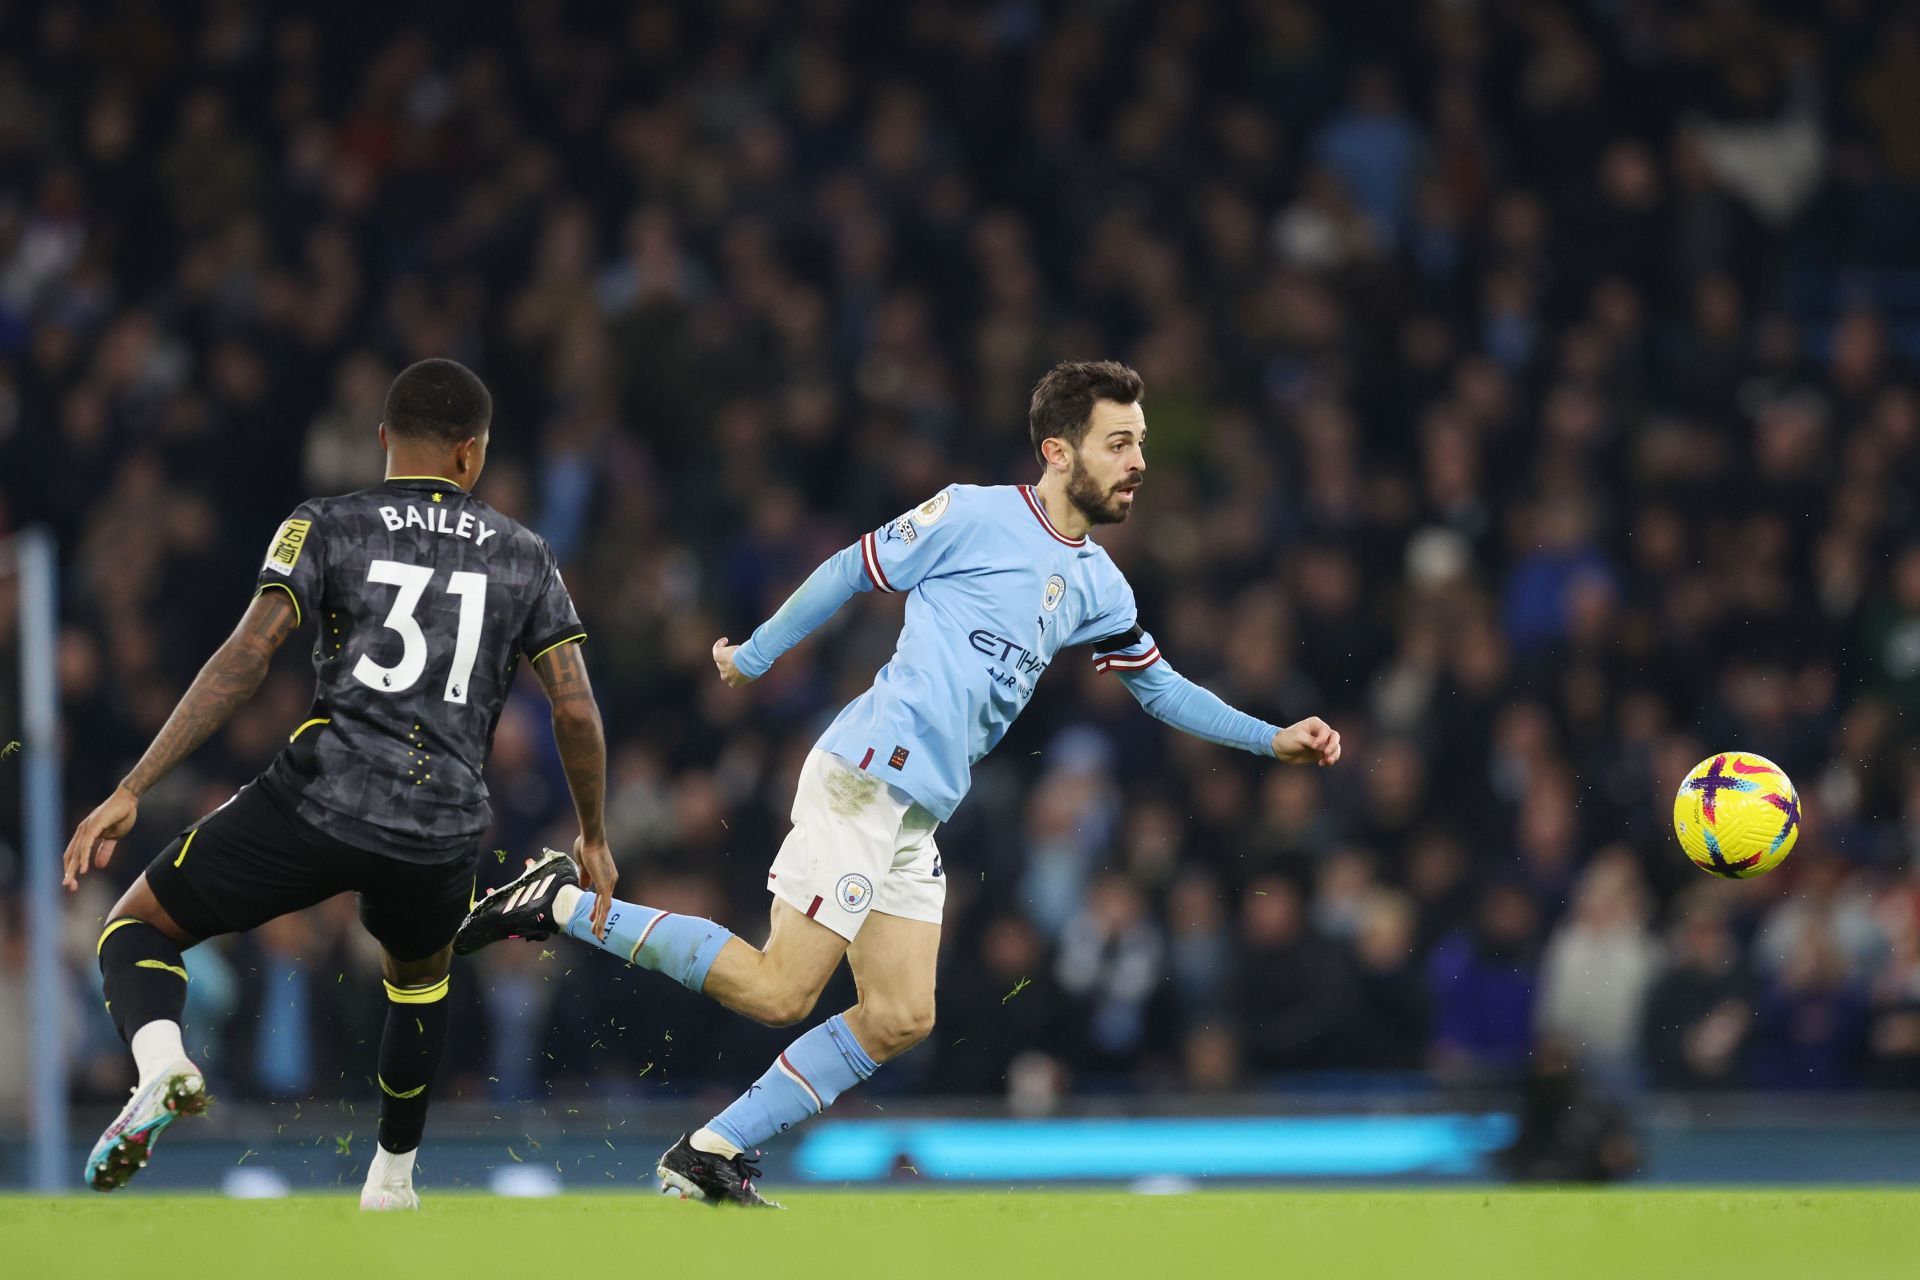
(422, 599)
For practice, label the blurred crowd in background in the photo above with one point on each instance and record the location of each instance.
(1530, 394)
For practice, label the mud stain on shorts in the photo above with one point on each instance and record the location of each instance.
(848, 793)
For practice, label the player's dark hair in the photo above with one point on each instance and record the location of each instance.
(438, 400)
(1063, 401)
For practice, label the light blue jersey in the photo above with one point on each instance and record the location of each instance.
(994, 593)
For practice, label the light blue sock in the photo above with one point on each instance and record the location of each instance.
(817, 1068)
(682, 947)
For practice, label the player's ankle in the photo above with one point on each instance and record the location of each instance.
(156, 1047)
(391, 1168)
(713, 1144)
(564, 901)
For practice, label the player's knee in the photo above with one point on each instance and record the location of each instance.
(417, 973)
(896, 1027)
(782, 1006)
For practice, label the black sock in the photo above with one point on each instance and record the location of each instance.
(144, 979)
(410, 1049)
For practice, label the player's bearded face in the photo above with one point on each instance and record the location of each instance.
(1098, 497)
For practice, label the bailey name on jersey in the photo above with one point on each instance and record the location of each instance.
(425, 518)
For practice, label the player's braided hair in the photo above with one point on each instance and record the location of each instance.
(438, 400)
(1063, 400)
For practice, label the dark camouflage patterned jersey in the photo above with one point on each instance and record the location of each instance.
(424, 597)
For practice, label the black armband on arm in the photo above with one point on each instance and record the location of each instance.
(1125, 640)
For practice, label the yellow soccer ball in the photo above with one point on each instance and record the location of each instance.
(1737, 815)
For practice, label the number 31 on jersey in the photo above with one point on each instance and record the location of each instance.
(413, 581)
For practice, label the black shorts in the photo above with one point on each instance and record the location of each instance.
(253, 859)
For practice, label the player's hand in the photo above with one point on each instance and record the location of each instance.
(723, 659)
(597, 873)
(1312, 741)
(93, 842)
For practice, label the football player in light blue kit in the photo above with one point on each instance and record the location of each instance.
(999, 581)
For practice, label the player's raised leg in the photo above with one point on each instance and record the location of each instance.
(776, 985)
(411, 1046)
(894, 962)
(139, 950)
(847, 833)
(145, 984)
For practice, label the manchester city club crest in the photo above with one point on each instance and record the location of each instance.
(1056, 592)
(855, 892)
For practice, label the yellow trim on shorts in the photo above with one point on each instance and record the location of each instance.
(268, 586)
(417, 995)
(183, 848)
(392, 1092)
(106, 932)
(555, 645)
(308, 725)
(162, 964)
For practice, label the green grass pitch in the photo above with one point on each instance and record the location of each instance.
(1428, 1235)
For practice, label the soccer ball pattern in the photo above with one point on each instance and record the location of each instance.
(1737, 815)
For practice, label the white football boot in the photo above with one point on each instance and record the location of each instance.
(127, 1145)
(389, 1182)
(388, 1195)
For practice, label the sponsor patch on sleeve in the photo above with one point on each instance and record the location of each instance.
(287, 545)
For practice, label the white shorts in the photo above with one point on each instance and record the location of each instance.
(858, 845)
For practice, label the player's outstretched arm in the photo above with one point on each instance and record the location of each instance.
(896, 557)
(1173, 699)
(834, 583)
(582, 741)
(228, 679)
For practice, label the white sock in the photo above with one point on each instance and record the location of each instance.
(389, 1168)
(564, 902)
(156, 1047)
(713, 1144)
